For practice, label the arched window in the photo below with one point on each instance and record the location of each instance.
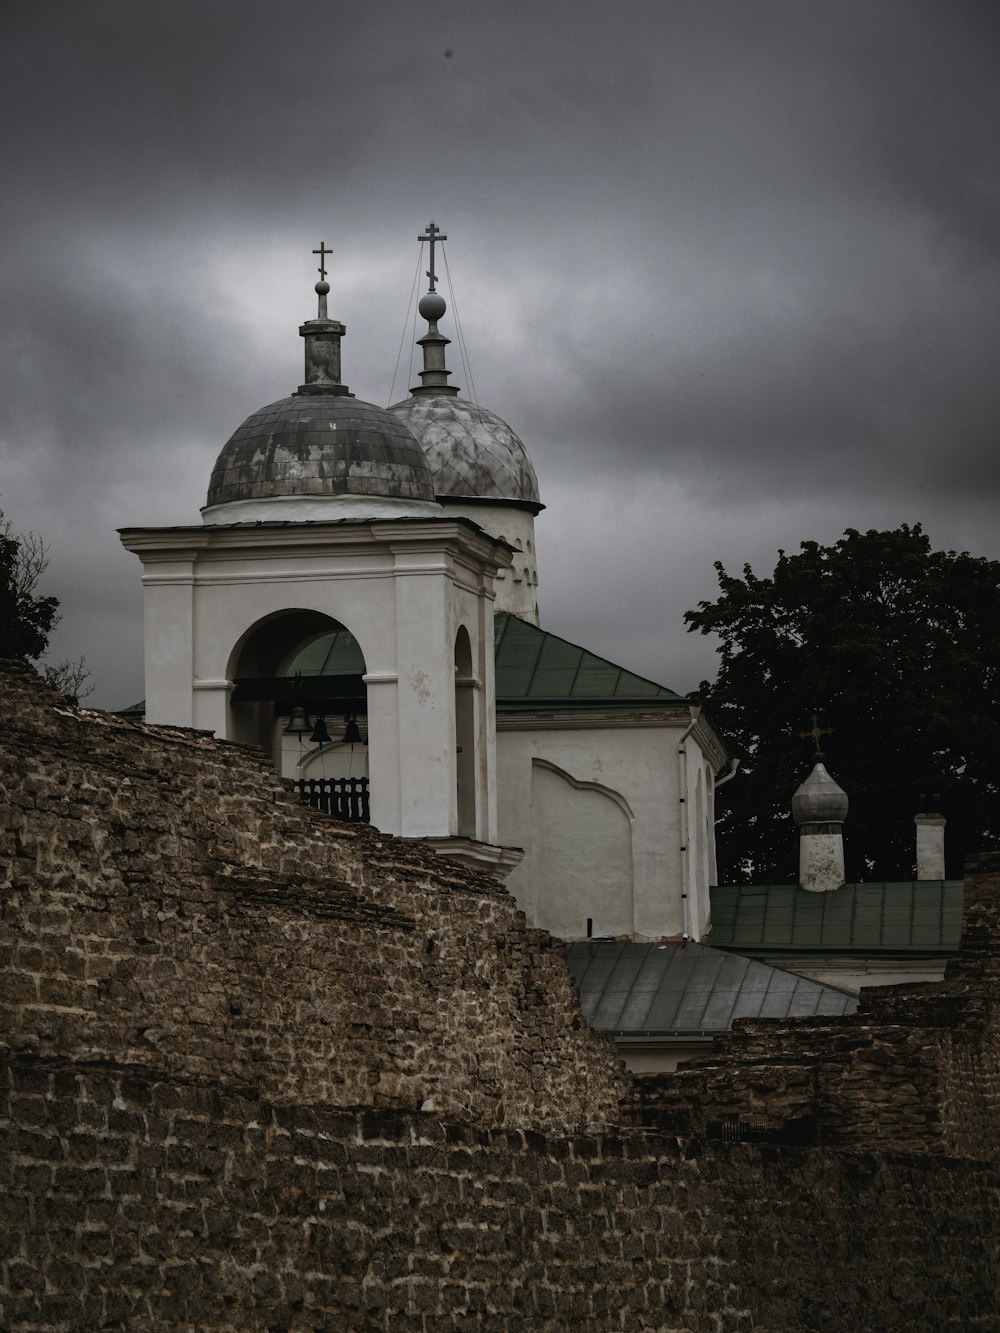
(465, 734)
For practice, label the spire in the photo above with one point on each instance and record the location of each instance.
(434, 376)
(323, 336)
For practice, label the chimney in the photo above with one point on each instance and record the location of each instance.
(930, 840)
(819, 807)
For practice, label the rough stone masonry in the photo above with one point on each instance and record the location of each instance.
(263, 1070)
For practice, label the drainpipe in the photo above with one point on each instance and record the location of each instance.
(682, 771)
(734, 764)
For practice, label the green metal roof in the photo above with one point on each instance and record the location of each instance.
(535, 667)
(334, 653)
(678, 990)
(134, 712)
(907, 917)
(532, 667)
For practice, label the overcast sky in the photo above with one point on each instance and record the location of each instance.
(730, 268)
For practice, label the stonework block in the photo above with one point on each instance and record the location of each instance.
(222, 1022)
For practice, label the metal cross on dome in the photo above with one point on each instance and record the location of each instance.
(432, 234)
(322, 252)
(816, 732)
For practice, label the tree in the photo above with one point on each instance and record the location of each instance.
(27, 620)
(897, 649)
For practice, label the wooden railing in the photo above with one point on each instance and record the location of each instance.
(344, 798)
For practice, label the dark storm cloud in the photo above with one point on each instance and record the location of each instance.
(732, 270)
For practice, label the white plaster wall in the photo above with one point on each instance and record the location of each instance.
(402, 593)
(579, 878)
(516, 588)
(634, 769)
(821, 860)
(699, 837)
(662, 1059)
(853, 974)
(299, 759)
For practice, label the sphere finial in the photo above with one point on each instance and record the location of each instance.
(431, 307)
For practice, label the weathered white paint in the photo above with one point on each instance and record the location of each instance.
(593, 797)
(402, 589)
(930, 846)
(516, 588)
(300, 759)
(821, 857)
(317, 509)
(853, 974)
(661, 1057)
(596, 871)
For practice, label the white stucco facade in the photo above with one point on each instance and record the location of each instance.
(821, 857)
(408, 528)
(226, 602)
(517, 586)
(615, 812)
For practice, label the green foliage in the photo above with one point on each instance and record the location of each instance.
(897, 648)
(25, 620)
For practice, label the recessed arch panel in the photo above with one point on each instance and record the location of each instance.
(581, 855)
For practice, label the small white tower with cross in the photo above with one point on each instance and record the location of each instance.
(819, 808)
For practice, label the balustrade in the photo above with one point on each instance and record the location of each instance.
(344, 798)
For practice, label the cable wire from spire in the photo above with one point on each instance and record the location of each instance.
(406, 318)
(463, 351)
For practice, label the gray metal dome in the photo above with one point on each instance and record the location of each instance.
(321, 445)
(471, 453)
(819, 800)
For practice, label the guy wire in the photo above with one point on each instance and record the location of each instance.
(402, 339)
(467, 365)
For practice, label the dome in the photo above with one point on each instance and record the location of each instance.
(321, 445)
(819, 800)
(471, 453)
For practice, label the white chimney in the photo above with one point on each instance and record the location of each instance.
(930, 846)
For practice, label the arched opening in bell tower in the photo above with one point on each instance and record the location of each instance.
(299, 692)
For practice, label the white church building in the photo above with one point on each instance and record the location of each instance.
(360, 598)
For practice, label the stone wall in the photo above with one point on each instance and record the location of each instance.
(142, 1204)
(915, 1069)
(168, 903)
(261, 1070)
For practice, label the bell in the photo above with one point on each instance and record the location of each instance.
(320, 735)
(352, 732)
(298, 721)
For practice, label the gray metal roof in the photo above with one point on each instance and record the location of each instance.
(906, 917)
(319, 445)
(685, 989)
(471, 453)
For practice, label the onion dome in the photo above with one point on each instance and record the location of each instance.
(316, 445)
(320, 452)
(473, 455)
(819, 800)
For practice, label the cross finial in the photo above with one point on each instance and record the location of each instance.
(322, 252)
(816, 732)
(432, 234)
